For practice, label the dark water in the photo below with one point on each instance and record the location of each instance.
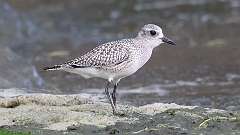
(203, 69)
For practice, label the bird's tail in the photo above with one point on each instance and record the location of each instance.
(55, 67)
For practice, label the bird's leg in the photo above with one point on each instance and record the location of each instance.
(110, 98)
(114, 94)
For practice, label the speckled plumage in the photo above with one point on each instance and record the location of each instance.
(117, 59)
(106, 55)
(113, 58)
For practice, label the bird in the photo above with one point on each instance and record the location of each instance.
(116, 60)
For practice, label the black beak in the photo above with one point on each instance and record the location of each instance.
(168, 41)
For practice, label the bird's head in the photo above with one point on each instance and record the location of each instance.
(152, 32)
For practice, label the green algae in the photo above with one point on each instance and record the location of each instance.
(8, 132)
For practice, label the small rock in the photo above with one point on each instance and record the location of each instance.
(71, 128)
(9, 102)
(114, 131)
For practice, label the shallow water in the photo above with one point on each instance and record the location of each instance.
(203, 69)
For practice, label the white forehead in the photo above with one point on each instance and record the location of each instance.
(149, 27)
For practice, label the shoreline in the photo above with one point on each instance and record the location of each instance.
(76, 113)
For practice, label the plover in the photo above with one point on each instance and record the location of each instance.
(117, 59)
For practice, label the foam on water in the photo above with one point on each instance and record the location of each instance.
(141, 90)
(205, 81)
(12, 92)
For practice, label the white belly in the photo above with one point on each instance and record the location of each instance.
(89, 72)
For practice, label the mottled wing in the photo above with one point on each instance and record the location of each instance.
(106, 55)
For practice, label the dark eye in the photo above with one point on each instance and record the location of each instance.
(153, 32)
